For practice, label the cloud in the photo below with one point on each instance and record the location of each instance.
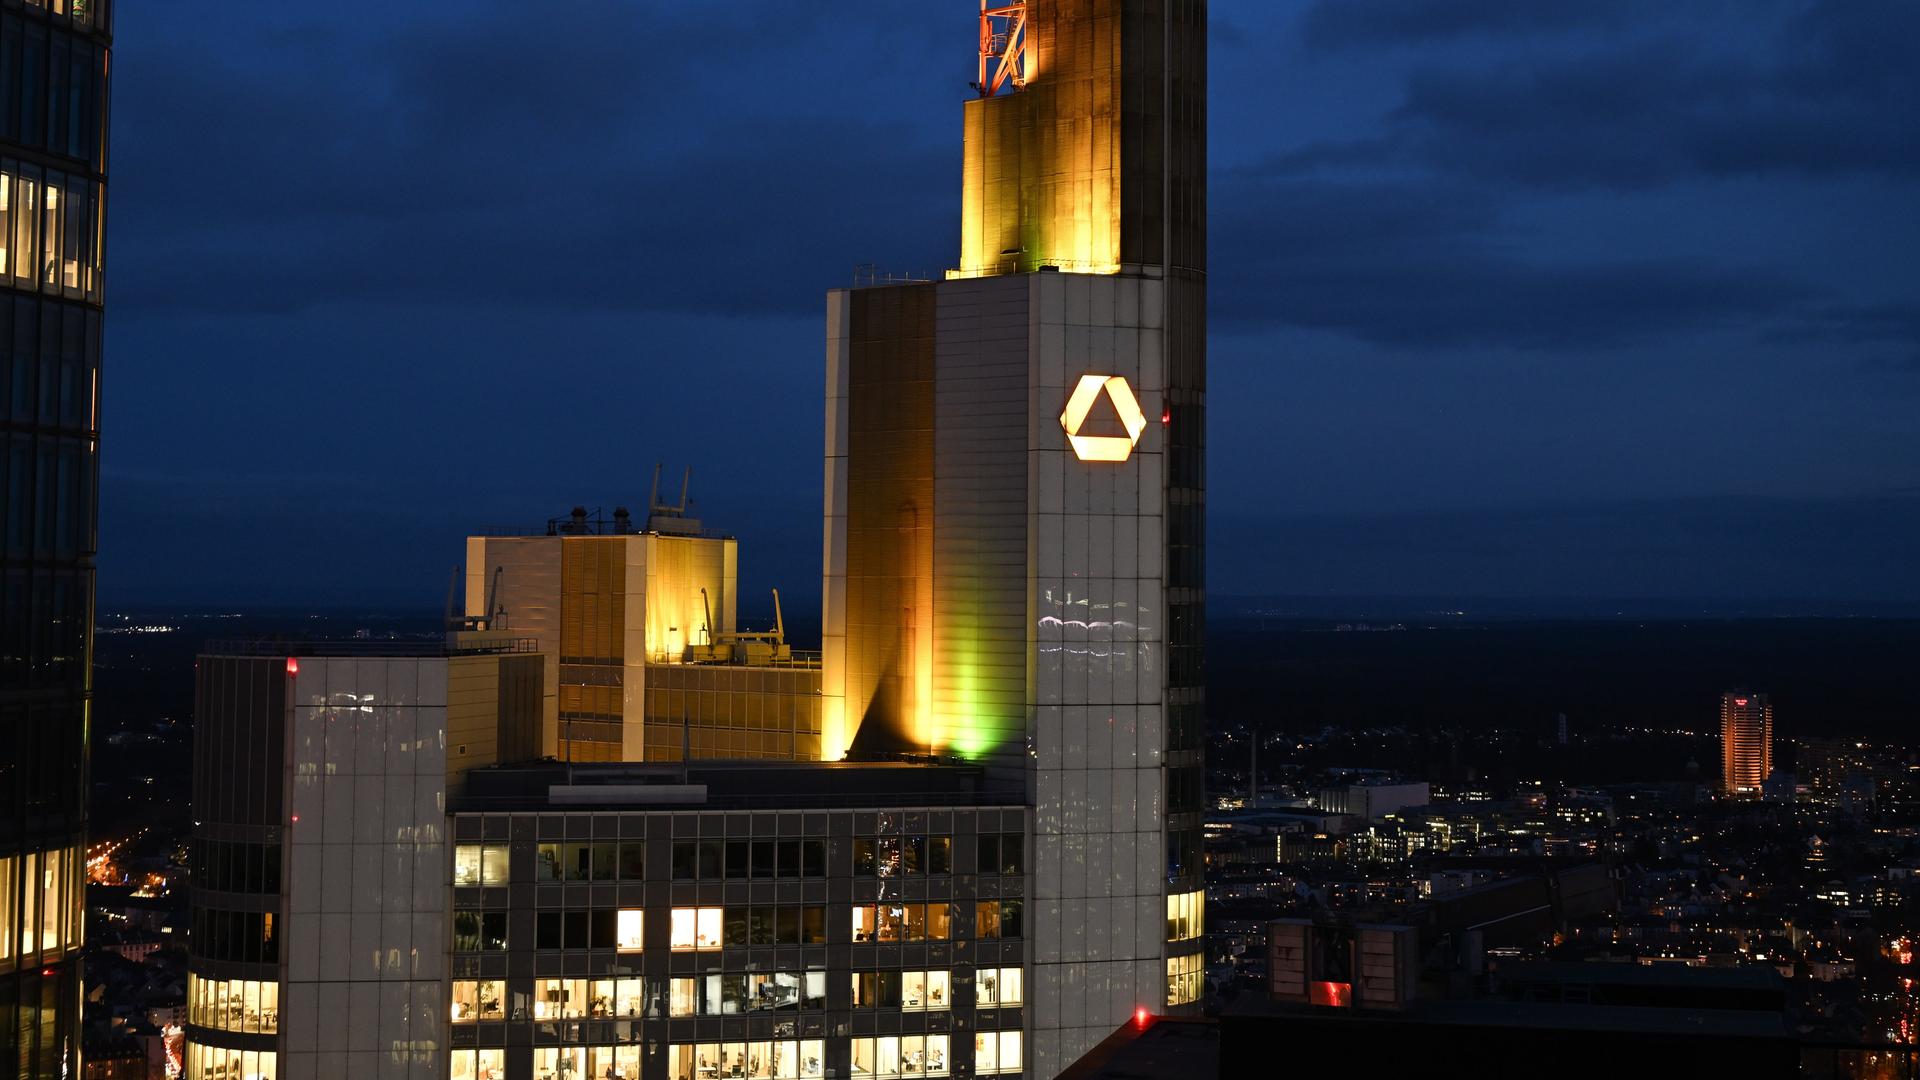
(467, 162)
(1428, 266)
(1829, 91)
(1343, 24)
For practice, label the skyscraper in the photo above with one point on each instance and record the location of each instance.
(1746, 743)
(1014, 564)
(52, 193)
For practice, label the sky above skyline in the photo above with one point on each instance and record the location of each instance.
(1507, 298)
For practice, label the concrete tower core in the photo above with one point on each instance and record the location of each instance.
(1014, 543)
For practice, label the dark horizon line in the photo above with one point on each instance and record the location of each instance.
(1236, 606)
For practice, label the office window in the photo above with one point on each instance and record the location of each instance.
(876, 989)
(888, 1057)
(616, 998)
(250, 1006)
(559, 1061)
(685, 997)
(633, 860)
(1000, 854)
(619, 1062)
(997, 919)
(479, 931)
(922, 991)
(559, 999)
(478, 1065)
(600, 861)
(1186, 915)
(996, 1052)
(902, 922)
(696, 928)
(784, 1059)
(628, 931)
(1186, 979)
(480, 864)
(997, 986)
(940, 855)
(476, 999)
(218, 1062)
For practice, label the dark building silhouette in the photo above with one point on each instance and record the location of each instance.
(53, 141)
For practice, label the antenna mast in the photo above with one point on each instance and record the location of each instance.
(1003, 46)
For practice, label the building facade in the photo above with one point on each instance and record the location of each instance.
(603, 599)
(320, 786)
(53, 162)
(1014, 557)
(1746, 743)
(762, 921)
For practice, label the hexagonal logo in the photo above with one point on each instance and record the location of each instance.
(1081, 402)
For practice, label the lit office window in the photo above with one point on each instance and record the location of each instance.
(480, 864)
(684, 997)
(784, 1059)
(1186, 915)
(559, 999)
(1185, 979)
(613, 1063)
(478, 1065)
(26, 223)
(220, 1063)
(244, 1005)
(902, 922)
(616, 998)
(925, 990)
(627, 930)
(903, 1056)
(696, 928)
(996, 1052)
(997, 986)
(558, 1061)
(476, 999)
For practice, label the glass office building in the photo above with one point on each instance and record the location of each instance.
(53, 144)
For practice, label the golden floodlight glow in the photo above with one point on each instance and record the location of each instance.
(1103, 447)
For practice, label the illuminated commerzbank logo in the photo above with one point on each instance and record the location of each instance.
(1103, 447)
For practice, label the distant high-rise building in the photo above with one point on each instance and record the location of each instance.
(1016, 495)
(1746, 743)
(53, 135)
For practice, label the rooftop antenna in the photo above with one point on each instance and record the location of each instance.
(1003, 46)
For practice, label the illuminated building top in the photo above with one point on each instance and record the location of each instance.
(1086, 151)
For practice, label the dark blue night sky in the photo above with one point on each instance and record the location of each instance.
(1509, 298)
